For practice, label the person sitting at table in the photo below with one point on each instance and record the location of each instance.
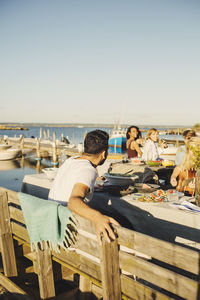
(180, 154)
(74, 183)
(132, 135)
(185, 171)
(151, 151)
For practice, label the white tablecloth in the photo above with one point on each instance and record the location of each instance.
(156, 219)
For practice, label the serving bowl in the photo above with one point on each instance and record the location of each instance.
(154, 163)
(140, 187)
(168, 163)
(120, 179)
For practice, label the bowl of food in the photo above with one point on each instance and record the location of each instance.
(168, 163)
(119, 179)
(146, 188)
(50, 172)
(154, 163)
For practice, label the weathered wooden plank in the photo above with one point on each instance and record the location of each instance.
(45, 273)
(16, 214)
(85, 286)
(20, 231)
(13, 288)
(6, 240)
(12, 195)
(110, 271)
(87, 243)
(85, 225)
(80, 264)
(171, 253)
(166, 279)
(136, 290)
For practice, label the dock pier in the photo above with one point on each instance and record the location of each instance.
(44, 148)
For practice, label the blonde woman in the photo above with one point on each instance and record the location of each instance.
(151, 151)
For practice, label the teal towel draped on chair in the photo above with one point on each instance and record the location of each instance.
(49, 223)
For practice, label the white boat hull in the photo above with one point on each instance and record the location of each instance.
(9, 154)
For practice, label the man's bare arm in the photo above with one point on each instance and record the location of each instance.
(101, 222)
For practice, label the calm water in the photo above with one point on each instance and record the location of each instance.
(13, 172)
(74, 134)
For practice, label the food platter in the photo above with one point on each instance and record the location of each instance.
(146, 188)
(158, 196)
(154, 163)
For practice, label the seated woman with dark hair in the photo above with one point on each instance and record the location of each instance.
(133, 149)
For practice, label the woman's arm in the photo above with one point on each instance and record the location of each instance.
(135, 146)
(128, 142)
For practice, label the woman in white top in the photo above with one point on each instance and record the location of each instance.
(151, 151)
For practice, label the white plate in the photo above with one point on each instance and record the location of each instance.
(120, 180)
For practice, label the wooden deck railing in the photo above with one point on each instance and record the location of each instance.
(134, 266)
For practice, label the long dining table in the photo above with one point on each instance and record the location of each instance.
(162, 220)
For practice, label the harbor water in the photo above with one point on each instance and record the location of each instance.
(12, 172)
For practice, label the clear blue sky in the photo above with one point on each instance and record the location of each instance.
(102, 61)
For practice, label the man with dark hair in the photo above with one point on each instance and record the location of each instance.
(74, 182)
(181, 151)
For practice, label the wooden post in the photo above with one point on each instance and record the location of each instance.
(45, 273)
(55, 156)
(6, 240)
(48, 135)
(85, 287)
(40, 133)
(22, 145)
(110, 270)
(54, 136)
(38, 148)
(38, 164)
(45, 134)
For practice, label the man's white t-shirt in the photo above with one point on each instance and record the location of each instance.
(72, 171)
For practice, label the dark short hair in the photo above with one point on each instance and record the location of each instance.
(96, 141)
(129, 130)
(189, 133)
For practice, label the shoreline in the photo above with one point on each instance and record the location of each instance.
(5, 127)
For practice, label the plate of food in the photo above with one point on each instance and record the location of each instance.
(146, 187)
(168, 163)
(154, 163)
(155, 197)
(137, 161)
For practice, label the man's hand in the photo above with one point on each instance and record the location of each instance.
(102, 225)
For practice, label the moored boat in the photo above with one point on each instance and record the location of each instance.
(10, 153)
(117, 141)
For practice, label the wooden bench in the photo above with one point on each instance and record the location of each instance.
(134, 266)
